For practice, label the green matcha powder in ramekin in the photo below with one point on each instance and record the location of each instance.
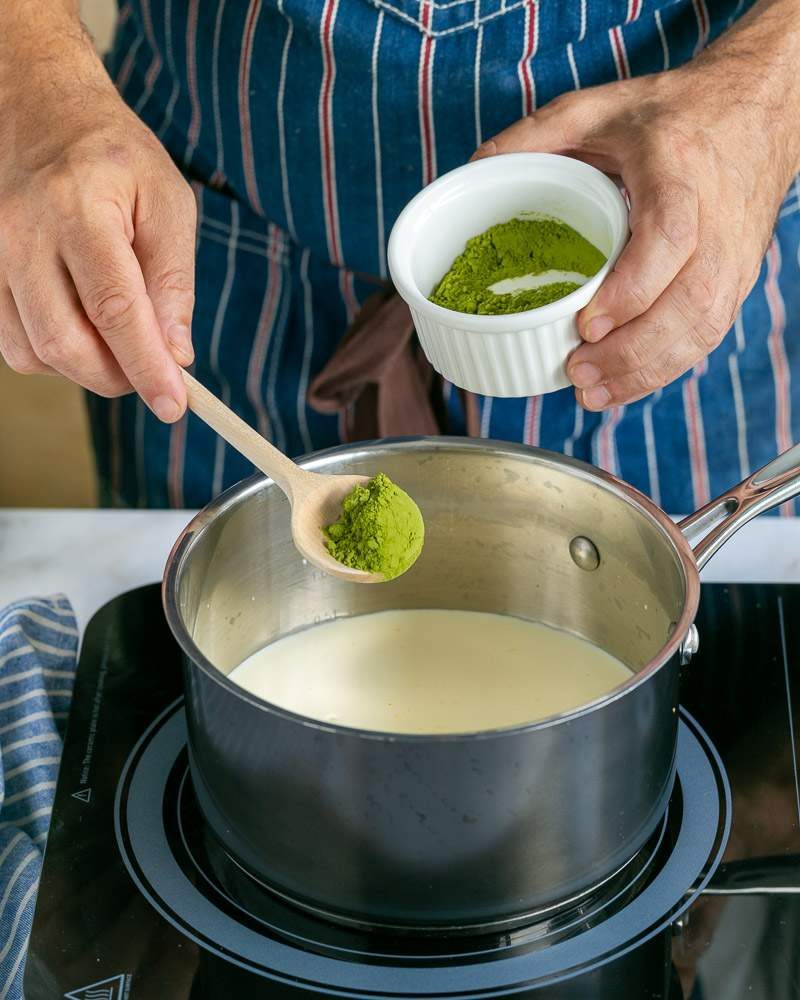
(380, 529)
(514, 249)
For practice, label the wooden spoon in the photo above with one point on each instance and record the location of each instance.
(316, 500)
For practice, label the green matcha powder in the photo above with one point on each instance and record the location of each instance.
(511, 250)
(380, 529)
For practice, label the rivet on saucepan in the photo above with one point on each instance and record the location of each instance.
(689, 646)
(584, 553)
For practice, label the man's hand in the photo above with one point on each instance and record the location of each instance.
(97, 231)
(706, 153)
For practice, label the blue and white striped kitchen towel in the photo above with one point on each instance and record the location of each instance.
(38, 651)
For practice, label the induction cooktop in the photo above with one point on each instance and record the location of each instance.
(138, 899)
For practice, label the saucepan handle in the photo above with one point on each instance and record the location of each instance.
(756, 876)
(709, 528)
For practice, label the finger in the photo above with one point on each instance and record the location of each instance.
(555, 128)
(58, 331)
(568, 124)
(664, 208)
(664, 225)
(14, 344)
(629, 388)
(165, 246)
(111, 288)
(683, 326)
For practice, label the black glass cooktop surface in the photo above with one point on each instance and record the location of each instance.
(138, 900)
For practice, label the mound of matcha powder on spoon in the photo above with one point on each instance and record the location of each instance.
(515, 249)
(380, 529)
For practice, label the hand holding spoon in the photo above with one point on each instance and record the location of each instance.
(316, 500)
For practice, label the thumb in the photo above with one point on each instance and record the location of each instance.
(555, 128)
(164, 243)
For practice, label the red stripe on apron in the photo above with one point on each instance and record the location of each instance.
(533, 420)
(348, 291)
(425, 85)
(177, 452)
(244, 105)
(777, 354)
(634, 10)
(606, 448)
(193, 133)
(620, 53)
(703, 25)
(701, 491)
(125, 70)
(524, 70)
(376, 143)
(155, 63)
(264, 328)
(326, 132)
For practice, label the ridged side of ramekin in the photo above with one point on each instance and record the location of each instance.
(516, 354)
(517, 363)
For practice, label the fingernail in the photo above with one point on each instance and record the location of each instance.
(166, 409)
(183, 356)
(596, 398)
(488, 148)
(585, 375)
(180, 337)
(598, 327)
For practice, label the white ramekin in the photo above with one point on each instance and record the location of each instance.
(520, 354)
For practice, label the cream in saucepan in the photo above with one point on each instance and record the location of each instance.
(430, 671)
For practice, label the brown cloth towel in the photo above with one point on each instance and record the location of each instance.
(381, 381)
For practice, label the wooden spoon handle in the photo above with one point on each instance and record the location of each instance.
(244, 439)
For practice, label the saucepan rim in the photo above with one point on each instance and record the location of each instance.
(240, 492)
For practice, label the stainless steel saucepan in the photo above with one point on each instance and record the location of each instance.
(449, 830)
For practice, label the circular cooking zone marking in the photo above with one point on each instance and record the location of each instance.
(160, 842)
(253, 901)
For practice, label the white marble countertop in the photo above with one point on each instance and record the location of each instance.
(93, 555)
(88, 555)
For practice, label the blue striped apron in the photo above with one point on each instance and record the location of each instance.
(306, 125)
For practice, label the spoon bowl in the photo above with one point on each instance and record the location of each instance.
(319, 506)
(316, 500)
